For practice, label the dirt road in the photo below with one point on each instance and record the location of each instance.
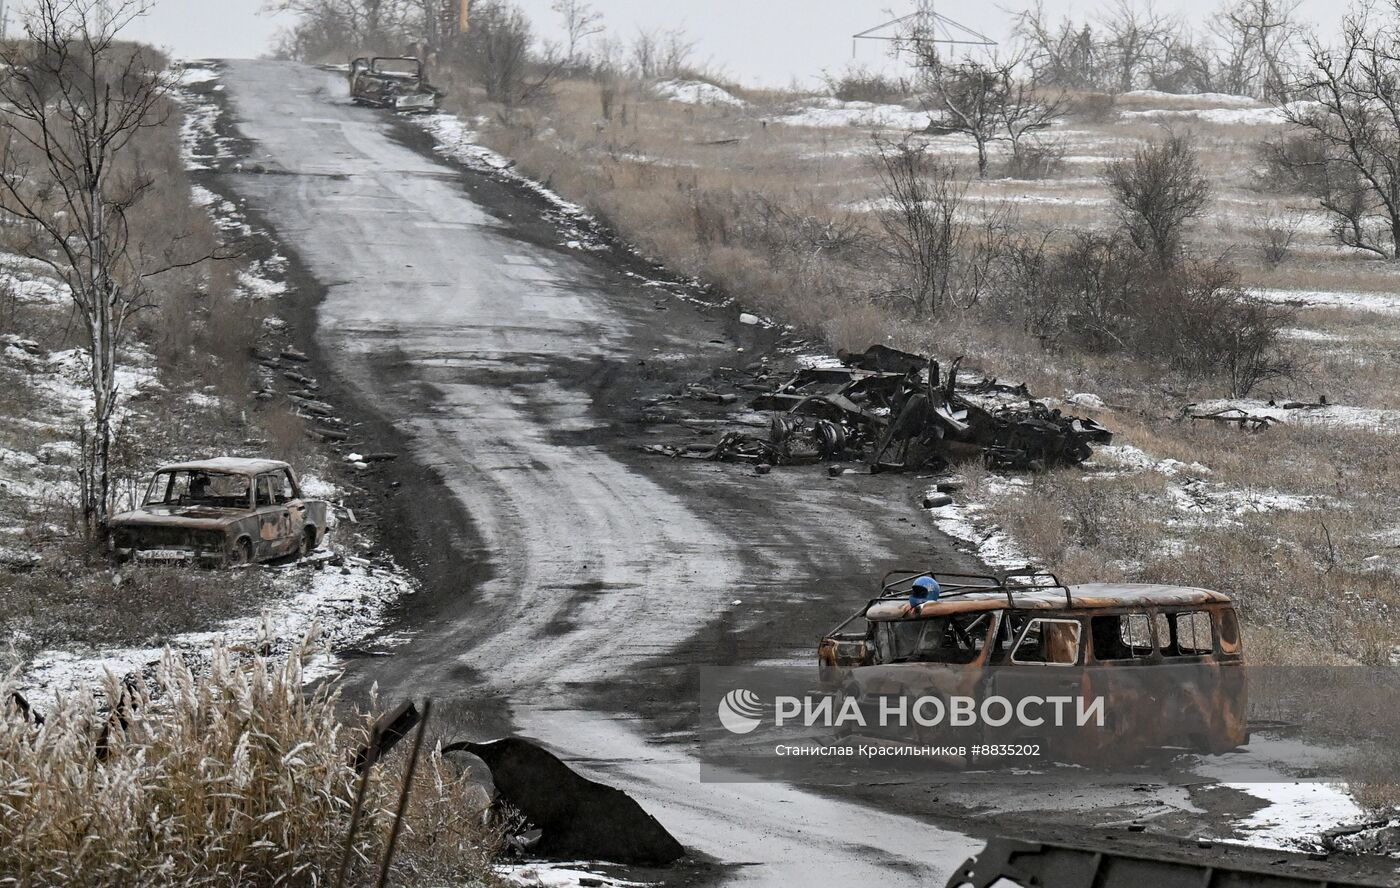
(568, 577)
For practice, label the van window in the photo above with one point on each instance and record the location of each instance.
(955, 638)
(1229, 631)
(1121, 636)
(1190, 635)
(1049, 642)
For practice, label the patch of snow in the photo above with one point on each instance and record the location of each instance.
(696, 92)
(1296, 812)
(1384, 303)
(833, 113)
(456, 140)
(1087, 400)
(1206, 503)
(193, 75)
(315, 487)
(345, 603)
(1230, 116)
(560, 875)
(1300, 334)
(1220, 100)
(965, 521)
(1338, 415)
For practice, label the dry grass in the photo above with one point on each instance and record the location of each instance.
(236, 778)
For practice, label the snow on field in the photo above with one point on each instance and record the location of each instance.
(1219, 100)
(345, 602)
(696, 92)
(1264, 116)
(561, 875)
(966, 521)
(1338, 415)
(1383, 303)
(1295, 812)
(194, 74)
(832, 113)
(457, 141)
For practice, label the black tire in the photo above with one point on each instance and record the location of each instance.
(241, 554)
(308, 542)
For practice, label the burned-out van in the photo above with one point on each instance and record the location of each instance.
(1152, 666)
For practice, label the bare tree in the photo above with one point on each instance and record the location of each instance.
(1258, 45)
(986, 102)
(1025, 111)
(328, 27)
(581, 23)
(74, 99)
(923, 197)
(497, 49)
(1353, 124)
(942, 259)
(1063, 54)
(971, 98)
(661, 53)
(1158, 190)
(1136, 40)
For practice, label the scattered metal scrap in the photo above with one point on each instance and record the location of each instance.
(895, 411)
(1012, 862)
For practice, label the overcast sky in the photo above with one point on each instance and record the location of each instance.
(768, 42)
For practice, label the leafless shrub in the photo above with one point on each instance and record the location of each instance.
(1036, 159)
(1159, 189)
(859, 84)
(1103, 294)
(927, 235)
(9, 307)
(659, 54)
(1293, 164)
(787, 230)
(1276, 237)
(1094, 107)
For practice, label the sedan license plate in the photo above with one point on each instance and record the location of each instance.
(164, 555)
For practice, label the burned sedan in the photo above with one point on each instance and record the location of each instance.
(397, 83)
(220, 511)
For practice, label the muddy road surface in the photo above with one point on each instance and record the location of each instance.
(570, 581)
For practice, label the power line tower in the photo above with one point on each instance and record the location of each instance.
(922, 32)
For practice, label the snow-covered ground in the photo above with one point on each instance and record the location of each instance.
(830, 112)
(696, 92)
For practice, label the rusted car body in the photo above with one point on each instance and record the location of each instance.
(1167, 660)
(397, 83)
(220, 511)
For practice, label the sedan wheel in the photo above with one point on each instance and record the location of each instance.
(242, 553)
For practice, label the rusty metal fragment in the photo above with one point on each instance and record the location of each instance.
(388, 730)
(1013, 862)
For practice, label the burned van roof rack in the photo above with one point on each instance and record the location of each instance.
(898, 583)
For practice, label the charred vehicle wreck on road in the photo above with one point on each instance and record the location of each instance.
(220, 511)
(1167, 661)
(396, 83)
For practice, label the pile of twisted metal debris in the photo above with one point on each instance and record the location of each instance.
(895, 411)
